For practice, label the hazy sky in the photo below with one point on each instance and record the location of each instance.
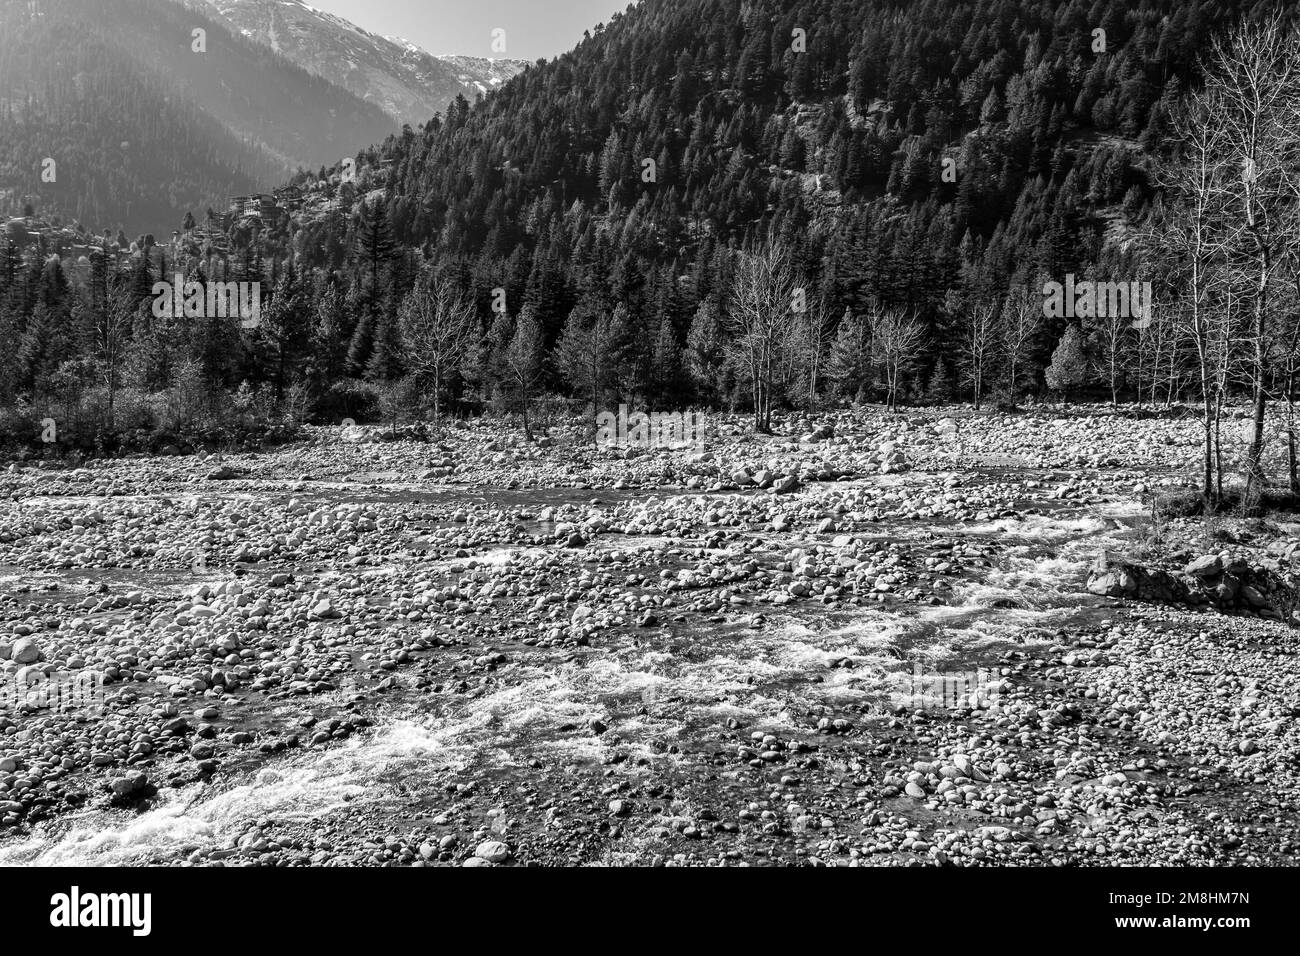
(534, 28)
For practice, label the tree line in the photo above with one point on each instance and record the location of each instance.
(697, 207)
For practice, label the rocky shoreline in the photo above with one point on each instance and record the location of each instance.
(487, 652)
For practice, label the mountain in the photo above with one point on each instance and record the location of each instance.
(141, 126)
(838, 149)
(913, 156)
(410, 84)
(483, 74)
(908, 166)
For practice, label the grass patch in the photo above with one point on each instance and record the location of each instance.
(1187, 503)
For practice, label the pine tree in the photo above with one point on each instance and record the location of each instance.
(939, 389)
(385, 362)
(665, 365)
(283, 330)
(35, 346)
(1069, 367)
(373, 252)
(583, 355)
(328, 353)
(849, 364)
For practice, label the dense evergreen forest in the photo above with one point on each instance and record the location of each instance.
(903, 175)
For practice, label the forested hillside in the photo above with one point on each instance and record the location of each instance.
(837, 152)
(900, 172)
(141, 126)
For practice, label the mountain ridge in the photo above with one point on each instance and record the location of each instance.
(405, 80)
(144, 122)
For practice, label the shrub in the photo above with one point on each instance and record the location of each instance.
(349, 398)
(1069, 366)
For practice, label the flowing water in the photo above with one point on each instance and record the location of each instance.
(668, 685)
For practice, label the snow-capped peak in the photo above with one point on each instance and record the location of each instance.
(410, 83)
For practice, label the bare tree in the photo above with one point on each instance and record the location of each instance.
(1225, 344)
(523, 363)
(1187, 235)
(1229, 231)
(812, 339)
(1111, 331)
(899, 340)
(590, 353)
(1252, 95)
(1022, 313)
(1289, 341)
(762, 296)
(1156, 358)
(1287, 346)
(438, 327)
(979, 342)
(395, 398)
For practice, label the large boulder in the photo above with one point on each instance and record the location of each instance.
(1113, 577)
(785, 485)
(1226, 585)
(1110, 578)
(1206, 566)
(892, 459)
(133, 784)
(493, 851)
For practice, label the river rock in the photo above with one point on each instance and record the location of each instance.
(493, 851)
(130, 785)
(1206, 566)
(25, 651)
(785, 485)
(324, 610)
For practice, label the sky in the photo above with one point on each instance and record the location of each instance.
(534, 28)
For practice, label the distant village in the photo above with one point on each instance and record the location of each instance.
(210, 237)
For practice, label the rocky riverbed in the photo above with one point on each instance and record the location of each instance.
(869, 639)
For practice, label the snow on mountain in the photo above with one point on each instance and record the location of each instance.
(405, 80)
(482, 73)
